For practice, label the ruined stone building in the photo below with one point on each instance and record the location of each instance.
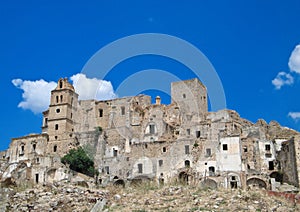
(132, 139)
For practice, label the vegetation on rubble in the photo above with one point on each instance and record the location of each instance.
(79, 161)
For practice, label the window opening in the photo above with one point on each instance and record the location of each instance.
(122, 111)
(152, 129)
(188, 131)
(115, 152)
(37, 178)
(198, 134)
(100, 112)
(208, 152)
(271, 165)
(187, 149)
(107, 169)
(211, 171)
(140, 168)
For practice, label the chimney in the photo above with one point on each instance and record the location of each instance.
(157, 100)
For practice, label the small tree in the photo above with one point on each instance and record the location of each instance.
(79, 161)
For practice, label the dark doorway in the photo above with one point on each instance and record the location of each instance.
(187, 163)
(233, 182)
(271, 165)
(211, 171)
(120, 183)
(183, 178)
(37, 178)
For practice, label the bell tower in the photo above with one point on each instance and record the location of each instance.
(59, 119)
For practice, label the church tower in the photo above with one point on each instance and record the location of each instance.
(59, 118)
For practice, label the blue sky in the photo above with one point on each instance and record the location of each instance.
(249, 43)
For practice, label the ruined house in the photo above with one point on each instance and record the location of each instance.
(133, 139)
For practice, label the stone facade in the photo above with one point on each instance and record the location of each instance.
(132, 139)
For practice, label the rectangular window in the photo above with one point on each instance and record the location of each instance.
(37, 178)
(188, 131)
(100, 112)
(160, 162)
(271, 165)
(21, 153)
(225, 147)
(268, 155)
(198, 134)
(140, 168)
(268, 147)
(211, 171)
(115, 152)
(56, 127)
(187, 149)
(164, 149)
(106, 169)
(151, 128)
(208, 152)
(122, 111)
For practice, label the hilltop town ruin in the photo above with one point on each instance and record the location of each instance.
(134, 140)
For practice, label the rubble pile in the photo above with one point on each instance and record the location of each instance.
(145, 197)
(56, 197)
(187, 198)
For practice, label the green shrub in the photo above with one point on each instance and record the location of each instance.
(79, 161)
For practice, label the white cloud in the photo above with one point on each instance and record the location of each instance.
(294, 115)
(92, 88)
(36, 94)
(294, 61)
(282, 79)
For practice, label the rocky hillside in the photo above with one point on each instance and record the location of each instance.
(146, 197)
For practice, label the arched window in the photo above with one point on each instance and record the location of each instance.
(187, 163)
(211, 171)
(34, 147)
(54, 148)
(60, 84)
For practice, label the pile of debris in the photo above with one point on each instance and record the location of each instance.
(144, 197)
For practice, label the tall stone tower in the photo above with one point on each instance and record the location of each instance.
(59, 118)
(191, 97)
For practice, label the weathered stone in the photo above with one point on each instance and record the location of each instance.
(135, 141)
